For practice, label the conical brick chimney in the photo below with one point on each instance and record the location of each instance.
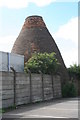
(34, 36)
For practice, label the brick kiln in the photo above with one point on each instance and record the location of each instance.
(34, 36)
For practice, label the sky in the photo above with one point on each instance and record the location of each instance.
(61, 19)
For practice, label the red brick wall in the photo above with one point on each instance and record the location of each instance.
(34, 22)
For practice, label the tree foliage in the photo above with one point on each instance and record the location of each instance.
(69, 90)
(74, 71)
(44, 62)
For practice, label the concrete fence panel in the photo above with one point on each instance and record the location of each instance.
(21, 88)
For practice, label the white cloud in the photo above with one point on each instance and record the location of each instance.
(67, 40)
(6, 43)
(42, 2)
(14, 3)
(69, 31)
(23, 3)
(70, 57)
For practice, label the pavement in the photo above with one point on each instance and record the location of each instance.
(58, 108)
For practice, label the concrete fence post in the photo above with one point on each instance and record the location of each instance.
(52, 84)
(30, 85)
(30, 88)
(42, 85)
(14, 72)
(8, 61)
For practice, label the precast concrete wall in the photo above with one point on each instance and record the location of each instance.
(24, 88)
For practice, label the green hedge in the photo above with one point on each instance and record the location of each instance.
(69, 90)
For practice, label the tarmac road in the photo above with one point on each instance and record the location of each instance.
(58, 108)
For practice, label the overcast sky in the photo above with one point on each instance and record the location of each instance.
(61, 19)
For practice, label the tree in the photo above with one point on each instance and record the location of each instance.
(74, 71)
(69, 90)
(44, 62)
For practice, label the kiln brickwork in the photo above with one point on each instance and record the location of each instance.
(35, 21)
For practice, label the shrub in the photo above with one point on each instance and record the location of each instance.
(74, 71)
(69, 90)
(44, 62)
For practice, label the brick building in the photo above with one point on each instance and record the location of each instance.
(34, 36)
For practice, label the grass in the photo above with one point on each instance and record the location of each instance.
(3, 110)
